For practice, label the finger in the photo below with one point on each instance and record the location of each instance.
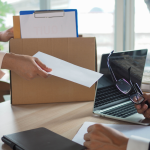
(43, 66)
(42, 73)
(87, 144)
(90, 128)
(143, 109)
(146, 96)
(86, 137)
(96, 127)
(147, 114)
(10, 29)
(138, 106)
(11, 35)
(92, 145)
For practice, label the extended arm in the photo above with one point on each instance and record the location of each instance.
(25, 66)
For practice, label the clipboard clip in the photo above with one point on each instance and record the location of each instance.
(49, 14)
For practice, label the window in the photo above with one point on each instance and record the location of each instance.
(95, 19)
(142, 33)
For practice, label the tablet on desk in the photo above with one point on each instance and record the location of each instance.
(40, 139)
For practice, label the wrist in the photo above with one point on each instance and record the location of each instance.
(121, 144)
(8, 61)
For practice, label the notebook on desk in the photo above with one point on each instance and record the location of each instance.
(40, 139)
(109, 101)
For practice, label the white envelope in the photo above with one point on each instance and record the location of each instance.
(68, 71)
(49, 25)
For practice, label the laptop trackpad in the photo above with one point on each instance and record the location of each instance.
(138, 118)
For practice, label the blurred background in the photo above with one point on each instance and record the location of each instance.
(116, 24)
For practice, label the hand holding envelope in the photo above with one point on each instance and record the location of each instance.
(68, 71)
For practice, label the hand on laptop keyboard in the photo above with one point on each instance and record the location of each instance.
(143, 108)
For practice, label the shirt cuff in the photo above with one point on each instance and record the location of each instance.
(138, 143)
(2, 54)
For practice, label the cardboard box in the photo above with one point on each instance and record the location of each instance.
(79, 51)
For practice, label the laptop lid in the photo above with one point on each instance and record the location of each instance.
(120, 62)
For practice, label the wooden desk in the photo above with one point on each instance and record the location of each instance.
(62, 118)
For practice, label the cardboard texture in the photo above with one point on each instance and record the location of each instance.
(79, 51)
(16, 27)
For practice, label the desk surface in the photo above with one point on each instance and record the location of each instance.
(62, 118)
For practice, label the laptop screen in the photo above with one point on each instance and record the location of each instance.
(120, 62)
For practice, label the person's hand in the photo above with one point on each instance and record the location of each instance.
(143, 108)
(25, 66)
(100, 137)
(6, 35)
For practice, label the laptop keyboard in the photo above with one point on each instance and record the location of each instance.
(123, 111)
(108, 95)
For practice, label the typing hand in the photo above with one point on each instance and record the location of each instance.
(25, 66)
(6, 35)
(102, 137)
(143, 108)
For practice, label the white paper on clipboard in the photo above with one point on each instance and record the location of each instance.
(48, 25)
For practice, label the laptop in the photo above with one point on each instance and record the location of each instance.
(109, 101)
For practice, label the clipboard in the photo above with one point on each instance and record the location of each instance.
(56, 23)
